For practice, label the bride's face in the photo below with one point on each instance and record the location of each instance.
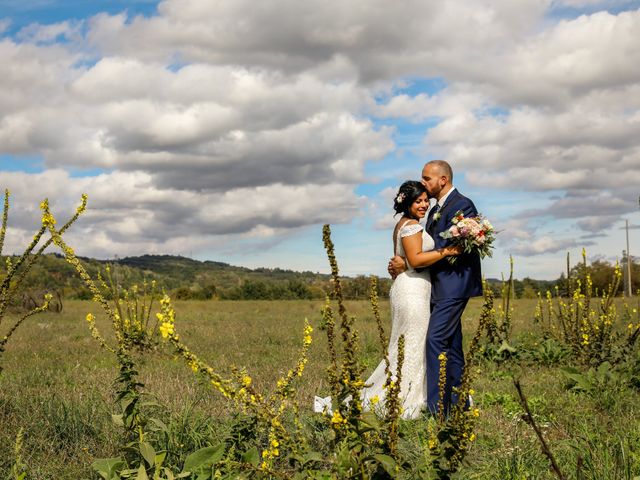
(419, 207)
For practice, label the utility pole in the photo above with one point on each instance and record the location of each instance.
(629, 261)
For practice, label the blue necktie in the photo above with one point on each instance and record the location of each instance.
(432, 217)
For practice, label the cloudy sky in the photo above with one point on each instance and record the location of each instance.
(232, 130)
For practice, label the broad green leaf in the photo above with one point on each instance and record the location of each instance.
(117, 420)
(159, 424)
(148, 453)
(205, 457)
(142, 473)
(251, 456)
(159, 460)
(168, 473)
(313, 457)
(505, 347)
(108, 467)
(387, 462)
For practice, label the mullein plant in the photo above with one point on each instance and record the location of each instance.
(133, 307)
(588, 325)
(452, 433)
(279, 440)
(371, 440)
(498, 322)
(17, 269)
(18, 469)
(138, 453)
(393, 407)
(345, 379)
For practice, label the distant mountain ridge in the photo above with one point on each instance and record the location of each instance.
(183, 277)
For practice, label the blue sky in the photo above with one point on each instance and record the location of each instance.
(270, 128)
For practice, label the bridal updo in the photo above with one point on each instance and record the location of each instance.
(407, 194)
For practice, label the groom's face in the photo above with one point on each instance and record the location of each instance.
(433, 180)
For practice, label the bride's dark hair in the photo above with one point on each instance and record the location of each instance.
(407, 194)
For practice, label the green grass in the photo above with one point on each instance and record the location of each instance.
(57, 385)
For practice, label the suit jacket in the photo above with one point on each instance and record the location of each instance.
(463, 279)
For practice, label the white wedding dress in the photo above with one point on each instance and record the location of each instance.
(410, 310)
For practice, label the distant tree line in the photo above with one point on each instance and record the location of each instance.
(353, 289)
(187, 279)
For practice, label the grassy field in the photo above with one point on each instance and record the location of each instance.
(57, 386)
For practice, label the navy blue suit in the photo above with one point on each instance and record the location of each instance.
(451, 288)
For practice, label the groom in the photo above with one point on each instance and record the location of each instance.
(451, 285)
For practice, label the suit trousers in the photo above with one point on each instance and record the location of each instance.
(444, 335)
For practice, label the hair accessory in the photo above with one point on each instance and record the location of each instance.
(400, 198)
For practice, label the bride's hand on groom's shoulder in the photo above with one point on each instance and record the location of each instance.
(396, 266)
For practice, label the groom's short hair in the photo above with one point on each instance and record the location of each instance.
(444, 168)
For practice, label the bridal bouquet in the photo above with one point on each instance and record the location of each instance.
(473, 234)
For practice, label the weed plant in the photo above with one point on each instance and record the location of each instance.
(590, 326)
(17, 268)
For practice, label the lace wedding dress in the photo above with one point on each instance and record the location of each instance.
(410, 310)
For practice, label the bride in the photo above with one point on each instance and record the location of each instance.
(410, 306)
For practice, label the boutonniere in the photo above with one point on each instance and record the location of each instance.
(436, 216)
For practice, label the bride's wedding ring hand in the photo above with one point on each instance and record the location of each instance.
(396, 266)
(452, 251)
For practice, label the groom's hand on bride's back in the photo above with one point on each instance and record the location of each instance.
(396, 266)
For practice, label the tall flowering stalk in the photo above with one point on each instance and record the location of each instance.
(393, 405)
(371, 438)
(589, 330)
(452, 434)
(373, 298)
(347, 379)
(129, 392)
(133, 307)
(17, 270)
(269, 410)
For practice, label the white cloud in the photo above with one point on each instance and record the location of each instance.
(127, 214)
(207, 104)
(543, 245)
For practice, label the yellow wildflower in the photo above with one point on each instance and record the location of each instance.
(374, 400)
(166, 329)
(338, 419)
